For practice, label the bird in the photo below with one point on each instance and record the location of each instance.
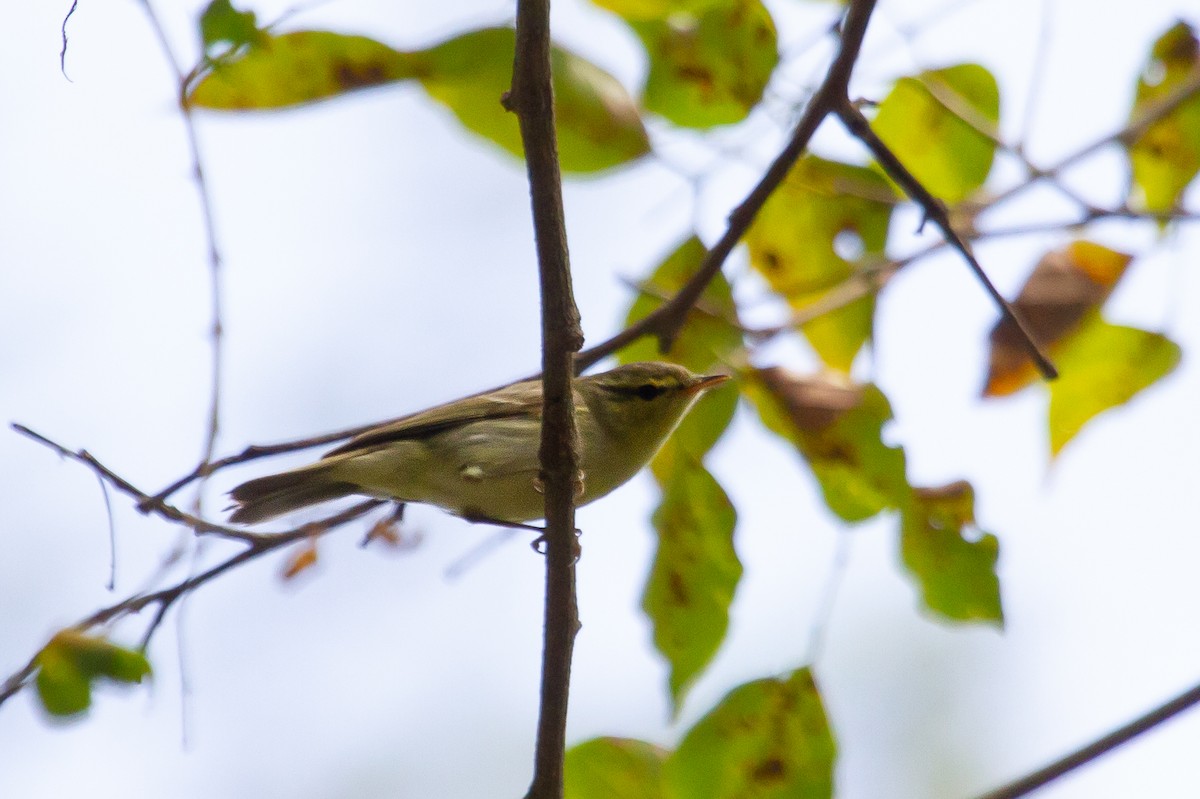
(477, 457)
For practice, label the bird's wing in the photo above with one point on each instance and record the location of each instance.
(510, 401)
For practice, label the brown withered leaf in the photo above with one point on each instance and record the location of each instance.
(1064, 286)
(813, 403)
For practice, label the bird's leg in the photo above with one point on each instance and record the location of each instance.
(388, 529)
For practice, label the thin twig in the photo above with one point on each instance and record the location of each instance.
(145, 503)
(934, 210)
(1150, 114)
(1102, 746)
(164, 598)
(210, 235)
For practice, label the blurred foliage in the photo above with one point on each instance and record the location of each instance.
(598, 123)
(73, 662)
(824, 225)
(1166, 156)
(942, 126)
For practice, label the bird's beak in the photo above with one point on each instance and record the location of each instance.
(706, 382)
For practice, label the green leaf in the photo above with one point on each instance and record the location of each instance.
(823, 207)
(941, 124)
(72, 661)
(613, 768)
(598, 123)
(957, 576)
(1166, 156)
(1103, 366)
(768, 739)
(694, 575)
(711, 67)
(710, 332)
(709, 336)
(838, 429)
(221, 23)
(697, 433)
(295, 68)
(655, 9)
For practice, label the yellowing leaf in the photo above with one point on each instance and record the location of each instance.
(957, 576)
(821, 208)
(709, 68)
(710, 333)
(1064, 287)
(72, 661)
(613, 768)
(941, 124)
(709, 337)
(1103, 366)
(598, 123)
(655, 9)
(694, 574)
(299, 67)
(768, 739)
(1166, 156)
(839, 431)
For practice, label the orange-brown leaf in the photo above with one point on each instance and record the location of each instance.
(300, 560)
(1064, 286)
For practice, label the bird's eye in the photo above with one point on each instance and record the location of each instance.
(649, 391)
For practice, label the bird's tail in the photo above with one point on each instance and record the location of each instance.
(267, 497)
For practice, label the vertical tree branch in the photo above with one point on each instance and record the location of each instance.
(532, 98)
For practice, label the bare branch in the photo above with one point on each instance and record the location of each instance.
(1102, 746)
(532, 98)
(210, 235)
(934, 210)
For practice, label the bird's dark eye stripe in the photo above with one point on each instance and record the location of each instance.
(645, 391)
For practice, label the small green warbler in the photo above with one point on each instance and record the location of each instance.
(477, 457)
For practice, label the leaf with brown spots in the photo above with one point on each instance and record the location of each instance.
(768, 739)
(838, 428)
(695, 572)
(708, 67)
(824, 224)
(1065, 286)
(956, 573)
(295, 68)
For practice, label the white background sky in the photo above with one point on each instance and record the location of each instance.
(379, 260)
